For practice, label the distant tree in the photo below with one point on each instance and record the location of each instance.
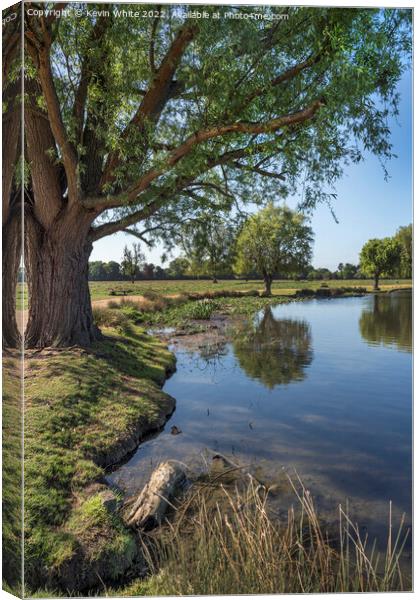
(274, 240)
(319, 274)
(148, 270)
(159, 272)
(380, 257)
(178, 267)
(347, 271)
(97, 270)
(208, 243)
(101, 271)
(112, 270)
(404, 237)
(132, 261)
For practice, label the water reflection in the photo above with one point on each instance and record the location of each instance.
(388, 321)
(274, 351)
(344, 425)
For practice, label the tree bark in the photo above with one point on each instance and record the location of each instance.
(57, 263)
(376, 277)
(12, 239)
(11, 211)
(267, 278)
(150, 507)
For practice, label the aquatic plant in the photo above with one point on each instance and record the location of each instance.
(202, 309)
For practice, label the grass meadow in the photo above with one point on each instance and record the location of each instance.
(102, 290)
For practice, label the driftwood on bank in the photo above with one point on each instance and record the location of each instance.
(154, 500)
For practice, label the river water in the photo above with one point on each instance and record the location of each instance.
(322, 387)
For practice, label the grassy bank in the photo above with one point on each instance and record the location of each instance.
(12, 470)
(189, 310)
(182, 312)
(85, 410)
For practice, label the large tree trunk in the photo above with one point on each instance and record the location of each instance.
(11, 210)
(12, 237)
(376, 277)
(57, 262)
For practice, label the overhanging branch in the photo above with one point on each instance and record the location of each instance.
(131, 195)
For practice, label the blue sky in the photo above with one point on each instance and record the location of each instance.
(367, 206)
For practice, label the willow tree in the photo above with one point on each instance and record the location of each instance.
(208, 242)
(380, 257)
(275, 241)
(130, 120)
(11, 171)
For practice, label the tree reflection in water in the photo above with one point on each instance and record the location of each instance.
(274, 351)
(388, 321)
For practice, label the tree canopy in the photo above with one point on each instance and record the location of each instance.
(146, 113)
(132, 261)
(404, 236)
(208, 243)
(380, 257)
(274, 241)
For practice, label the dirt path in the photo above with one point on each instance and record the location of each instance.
(22, 315)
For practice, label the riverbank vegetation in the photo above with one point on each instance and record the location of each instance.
(236, 544)
(184, 302)
(85, 411)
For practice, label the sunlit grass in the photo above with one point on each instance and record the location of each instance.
(82, 406)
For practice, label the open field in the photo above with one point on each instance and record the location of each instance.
(102, 290)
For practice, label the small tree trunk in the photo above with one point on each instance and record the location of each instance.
(268, 284)
(376, 277)
(57, 263)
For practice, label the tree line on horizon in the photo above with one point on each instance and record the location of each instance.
(207, 255)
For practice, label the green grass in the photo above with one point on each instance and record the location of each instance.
(81, 408)
(102, 289)
(189, 314)
(12, 471)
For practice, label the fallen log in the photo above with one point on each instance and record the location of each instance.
(153, 501)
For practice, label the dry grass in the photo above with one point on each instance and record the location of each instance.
(236, 545)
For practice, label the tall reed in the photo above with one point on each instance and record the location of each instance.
(236, 545)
